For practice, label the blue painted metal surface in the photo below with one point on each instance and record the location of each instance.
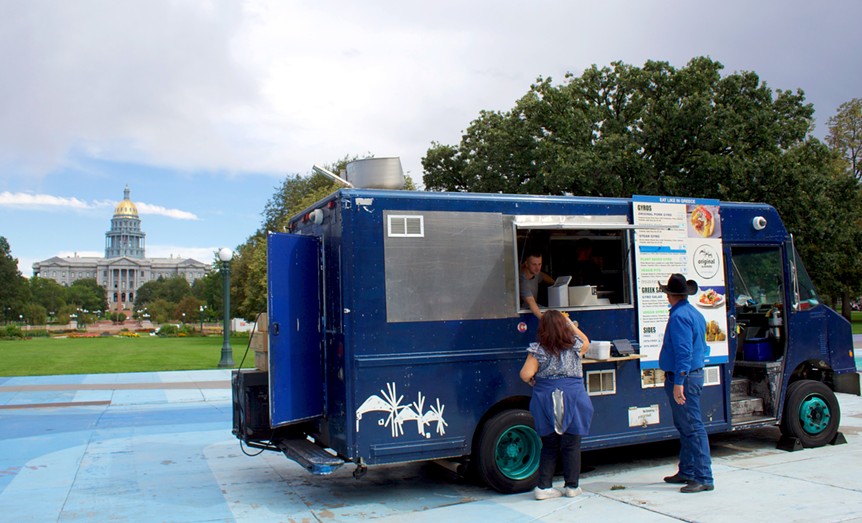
(295, 361)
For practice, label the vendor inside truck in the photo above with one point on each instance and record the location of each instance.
(529, 278)
(598, 258)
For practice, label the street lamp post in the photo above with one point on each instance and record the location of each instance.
(225, 255)
(202, 320)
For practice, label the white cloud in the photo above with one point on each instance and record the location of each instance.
(146, 208)
(276, 85)
(201, 254)
(41, 201)
(153, 82)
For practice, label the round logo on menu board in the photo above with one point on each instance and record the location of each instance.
(522, 327)
(706, 261)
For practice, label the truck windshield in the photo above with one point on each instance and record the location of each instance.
(757, 275)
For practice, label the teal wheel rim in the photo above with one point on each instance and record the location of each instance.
(517, 452)
(814, 414)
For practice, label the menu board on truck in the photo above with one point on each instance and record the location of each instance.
(679, 235)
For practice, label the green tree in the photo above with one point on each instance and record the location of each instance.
(87, 294)
(161, 310)
(47, 293)
(14, 290)
(208, 290)
(845, 134)
(248, 279)
(623, 130)
(35, 314)
(190, 306)
(171, 289)
(844, 239)
(175, 289)
(147, 293)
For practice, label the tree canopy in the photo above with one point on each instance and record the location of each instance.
(845, 135)
(843, 241)
(87, 294)
(623, 130)
(14, 291)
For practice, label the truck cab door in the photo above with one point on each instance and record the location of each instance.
(295, 338)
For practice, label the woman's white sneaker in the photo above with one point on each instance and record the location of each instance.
(572, 492)
(546, 493)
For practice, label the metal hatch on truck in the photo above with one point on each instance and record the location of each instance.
(293, 298)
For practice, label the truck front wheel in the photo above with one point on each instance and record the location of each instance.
(811, 413)
(508, 453)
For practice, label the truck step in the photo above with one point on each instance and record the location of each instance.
(750, 420)
(740, 387)
(744, 407)
(311, 456)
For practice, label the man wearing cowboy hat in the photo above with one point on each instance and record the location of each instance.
(682, 353)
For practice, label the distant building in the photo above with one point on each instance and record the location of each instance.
(125, 266)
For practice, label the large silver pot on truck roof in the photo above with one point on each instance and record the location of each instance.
(370, 173)
(376, 173)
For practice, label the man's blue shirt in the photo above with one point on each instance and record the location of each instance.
(684, 346)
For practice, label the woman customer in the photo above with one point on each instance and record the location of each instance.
(560, 405)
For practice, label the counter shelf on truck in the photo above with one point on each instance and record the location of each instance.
(396, 331)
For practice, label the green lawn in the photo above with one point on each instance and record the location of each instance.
(48, 356)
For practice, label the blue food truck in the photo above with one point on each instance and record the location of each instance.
(396, 332)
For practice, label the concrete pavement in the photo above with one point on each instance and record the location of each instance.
(158, 447)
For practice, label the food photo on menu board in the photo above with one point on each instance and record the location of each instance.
(710, 297)
(712, 302)
(703, 221)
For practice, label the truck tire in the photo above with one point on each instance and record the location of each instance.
(811, 413)
(508, 454)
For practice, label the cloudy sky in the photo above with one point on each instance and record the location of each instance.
(202, 107)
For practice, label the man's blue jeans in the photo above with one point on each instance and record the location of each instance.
(694, 460)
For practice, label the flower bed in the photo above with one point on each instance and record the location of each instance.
(84, 335)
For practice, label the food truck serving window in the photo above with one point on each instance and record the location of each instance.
(585, 260)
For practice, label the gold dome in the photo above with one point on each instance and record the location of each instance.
(126, 207)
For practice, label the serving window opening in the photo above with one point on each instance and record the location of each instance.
(573, 268)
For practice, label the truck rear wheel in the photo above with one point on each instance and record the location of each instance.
(508, 454)
(811, 413)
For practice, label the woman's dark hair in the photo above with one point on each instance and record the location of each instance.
(555, 334)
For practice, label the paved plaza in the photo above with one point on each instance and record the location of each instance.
(157, 447)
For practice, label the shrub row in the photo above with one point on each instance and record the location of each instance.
(15, 332)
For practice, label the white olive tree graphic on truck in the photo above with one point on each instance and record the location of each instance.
(397, 414)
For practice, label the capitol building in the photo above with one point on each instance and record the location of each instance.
(125, 266)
